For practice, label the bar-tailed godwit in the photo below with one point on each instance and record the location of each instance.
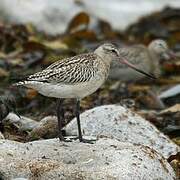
(146, 58)
(76, 77)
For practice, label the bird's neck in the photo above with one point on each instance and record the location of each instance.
(155, 61)
(105, 62)
(153, 53)
(106, 59)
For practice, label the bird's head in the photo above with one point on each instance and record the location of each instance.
(161, 48)
(109, 52)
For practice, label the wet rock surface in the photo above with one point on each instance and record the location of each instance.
(120, 123)
(106, 159)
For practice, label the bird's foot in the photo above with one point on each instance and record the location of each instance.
(90, 141)
(68, 140)
(72, 138)
(62, 139)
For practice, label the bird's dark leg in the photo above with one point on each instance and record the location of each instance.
(60, 116)
(79, 124)
(78, 120)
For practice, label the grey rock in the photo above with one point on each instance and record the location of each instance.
(23, 123)
(117, 122)
(106, 159)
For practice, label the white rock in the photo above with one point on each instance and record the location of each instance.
(106, 159)
(1, 135)
(173, 91)
(117, 122)
(23, 123)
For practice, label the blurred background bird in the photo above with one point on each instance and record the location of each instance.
(146, 58)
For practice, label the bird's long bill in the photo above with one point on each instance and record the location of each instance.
(124, 61)
(172, 54)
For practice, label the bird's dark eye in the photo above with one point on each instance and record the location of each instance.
(162, 46)
(114, 51)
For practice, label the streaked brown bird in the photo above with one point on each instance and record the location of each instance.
(76, 77)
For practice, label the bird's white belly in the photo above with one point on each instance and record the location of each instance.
(79, 90)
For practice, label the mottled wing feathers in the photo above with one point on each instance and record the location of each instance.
(72, 70)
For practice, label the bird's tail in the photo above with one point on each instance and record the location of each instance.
(27, 83)
(21, 83)
(18, 80)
